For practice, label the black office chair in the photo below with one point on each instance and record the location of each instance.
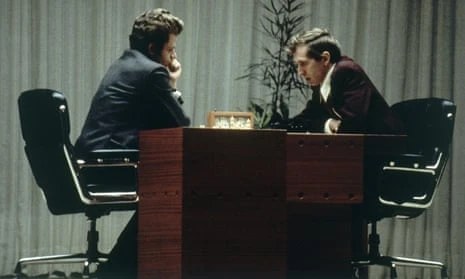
(404, 185)
(104, 181)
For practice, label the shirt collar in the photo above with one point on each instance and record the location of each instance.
(325, 88)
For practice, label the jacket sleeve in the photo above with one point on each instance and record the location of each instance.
(160, 109)
(313, 117)
(352, 91)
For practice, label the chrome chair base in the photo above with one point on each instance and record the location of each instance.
(393, 262)
(92, 256)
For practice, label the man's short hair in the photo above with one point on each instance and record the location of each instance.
(317, 40)
(154, 26)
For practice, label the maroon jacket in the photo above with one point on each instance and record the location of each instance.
(355, 100)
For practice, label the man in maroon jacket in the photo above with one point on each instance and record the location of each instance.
(344, 100)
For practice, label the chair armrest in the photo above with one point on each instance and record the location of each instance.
(109, 174)
(433, 162)
(109, 156)
(114, 197)
(409, 180)
(405, 160)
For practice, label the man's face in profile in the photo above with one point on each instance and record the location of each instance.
(312, 70)
(168, 53)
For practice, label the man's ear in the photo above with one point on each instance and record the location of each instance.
(326, 56)
(151, 51)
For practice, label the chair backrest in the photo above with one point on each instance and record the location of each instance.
(408, 182)
(429, 123)
(45, 128)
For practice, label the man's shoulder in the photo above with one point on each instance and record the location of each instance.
(135, 70)
(132, 64)
(347, 63)
(347, 67)
(133, 61)
(136, 58)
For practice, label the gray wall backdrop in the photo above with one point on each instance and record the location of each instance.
(410, 49)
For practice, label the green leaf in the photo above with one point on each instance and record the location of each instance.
(276, 71)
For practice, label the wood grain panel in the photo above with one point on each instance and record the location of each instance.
(160, 204)
(218, 203)
(325, 168)
(213, 204)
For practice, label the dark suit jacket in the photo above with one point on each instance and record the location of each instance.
(134, 95)
(353, 99)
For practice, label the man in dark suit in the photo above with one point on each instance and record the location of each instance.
(344, 100)
(138, 92)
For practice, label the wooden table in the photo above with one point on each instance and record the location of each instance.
(220, 203)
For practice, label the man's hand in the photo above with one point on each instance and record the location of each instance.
(174, 70)
(334, 125)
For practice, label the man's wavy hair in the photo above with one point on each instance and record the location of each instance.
(317, 40)
(154, 26)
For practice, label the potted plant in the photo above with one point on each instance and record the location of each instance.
(276, 70)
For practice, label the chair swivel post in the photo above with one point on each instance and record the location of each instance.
(373, 242)
(92, 242)
(93, 254)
